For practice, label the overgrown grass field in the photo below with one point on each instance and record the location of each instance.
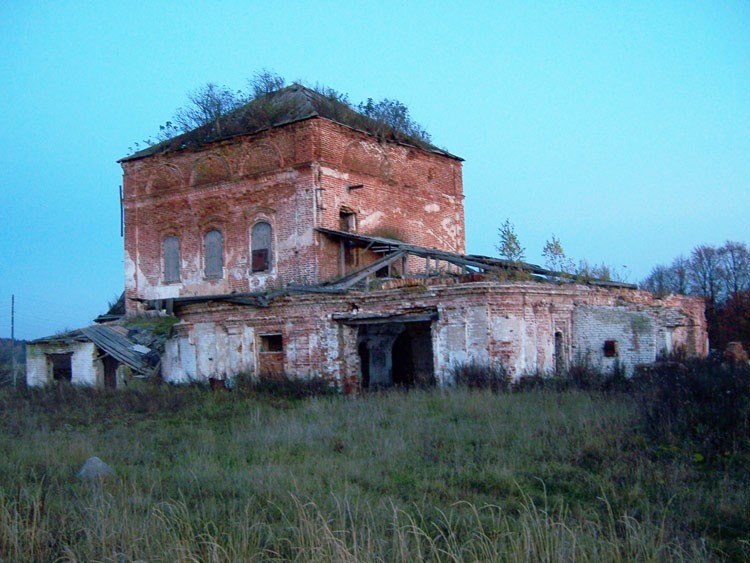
(441, 475)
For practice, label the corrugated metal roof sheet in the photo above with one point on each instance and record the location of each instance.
(114, 341)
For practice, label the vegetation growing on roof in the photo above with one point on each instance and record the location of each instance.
(158, 325)
(216, 112)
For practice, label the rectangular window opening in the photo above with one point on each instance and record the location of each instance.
(271, 343)
(610, 348)
(62, 369)
(348, 221)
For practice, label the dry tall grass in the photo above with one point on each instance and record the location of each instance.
(419, 476)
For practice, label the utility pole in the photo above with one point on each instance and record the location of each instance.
(13, 337)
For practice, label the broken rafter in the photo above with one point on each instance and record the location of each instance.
(358, 275)
(481, 263)
(396, 250)
(379, 244)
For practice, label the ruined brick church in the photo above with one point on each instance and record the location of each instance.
(301, 240)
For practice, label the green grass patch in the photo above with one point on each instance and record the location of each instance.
(246, 475)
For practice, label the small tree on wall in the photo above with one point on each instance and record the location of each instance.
(218, 110)
(208, 104)
(510, 247)
(264, 82)
(554, 256)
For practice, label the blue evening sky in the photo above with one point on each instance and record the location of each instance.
(621, 127)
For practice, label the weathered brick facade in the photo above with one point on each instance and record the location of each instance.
(527, 326)
(313, 173)
(278, 249)
(316, 172)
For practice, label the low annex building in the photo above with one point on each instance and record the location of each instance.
(296, 236)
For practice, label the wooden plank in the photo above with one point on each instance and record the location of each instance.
(357, 276)
(117, 346)
(353, 319)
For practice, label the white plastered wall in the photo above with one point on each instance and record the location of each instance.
(84, 369)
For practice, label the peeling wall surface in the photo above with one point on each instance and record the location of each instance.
(631, 336)
(79, 358)
(313, 173)
(251, 214)
(368, 337)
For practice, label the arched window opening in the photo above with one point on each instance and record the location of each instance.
(261, 247)
(213, 248)
(171, 252)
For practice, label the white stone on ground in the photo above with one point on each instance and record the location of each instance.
(95, 468)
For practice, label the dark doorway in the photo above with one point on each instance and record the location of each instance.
(270, 355)
(347, 220)
(412, 357)
(403, 360)
(560, 366)
(62, 370)
(110, 372)
(395, 354)
(364, 365)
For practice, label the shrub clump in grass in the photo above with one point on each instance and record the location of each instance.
(580, 376)
(476, 375)
(704, 405)
(285, 386)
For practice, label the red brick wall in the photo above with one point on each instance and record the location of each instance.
(407, 193)
(295, 177)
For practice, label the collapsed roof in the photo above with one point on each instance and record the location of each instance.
(112, 340)
(392, 251)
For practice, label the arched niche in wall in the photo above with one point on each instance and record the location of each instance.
(385, 167)
(261, 157)
(261, 223)
(208, 170)
(164, 177)
(212, 230)
(414, 173)
(361, 156)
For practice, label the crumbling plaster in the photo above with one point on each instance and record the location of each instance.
(296, 178)
(85, 368)
(512, 323)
